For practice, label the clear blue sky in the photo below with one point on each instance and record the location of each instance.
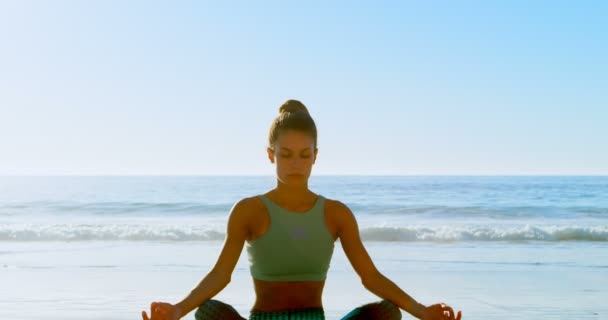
(433, 87)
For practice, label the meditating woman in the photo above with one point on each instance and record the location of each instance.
(289, 233)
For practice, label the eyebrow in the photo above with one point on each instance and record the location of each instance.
(287, 149)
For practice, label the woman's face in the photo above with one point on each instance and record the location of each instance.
(294, 155)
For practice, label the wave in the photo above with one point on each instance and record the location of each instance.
(485, 233)
(131, 232)
(60, 208)
(497, 212)
(107, 232)
(114, 208)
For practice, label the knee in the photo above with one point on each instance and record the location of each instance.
(391, 310)
(381, 310)
(385, 310)
(211, 303)
(207, 309)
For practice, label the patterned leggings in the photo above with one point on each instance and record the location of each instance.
(217, 310)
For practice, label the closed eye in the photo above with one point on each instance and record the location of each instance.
(289, 156)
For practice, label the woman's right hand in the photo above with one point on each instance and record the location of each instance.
(440, 311)
(162, 311)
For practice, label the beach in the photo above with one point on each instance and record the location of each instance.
(65, 255)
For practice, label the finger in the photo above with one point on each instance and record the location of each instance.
(144, 315)
(450, 311)
(438, 309)
(154, 311)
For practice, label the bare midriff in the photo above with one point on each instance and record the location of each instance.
(277, 296)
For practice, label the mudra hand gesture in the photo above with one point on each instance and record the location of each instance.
(162, 311)
(440, 311)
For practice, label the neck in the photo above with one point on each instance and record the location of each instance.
(292, 192)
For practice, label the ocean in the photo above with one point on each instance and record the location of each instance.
(501, 247)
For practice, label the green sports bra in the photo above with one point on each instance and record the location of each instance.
(297, 246)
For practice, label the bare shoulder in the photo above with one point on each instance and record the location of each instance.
(249, 203)
(246, 208)
(336, 206)
(339, 214)
(237, 231)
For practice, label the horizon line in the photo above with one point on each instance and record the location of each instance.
(320, 174)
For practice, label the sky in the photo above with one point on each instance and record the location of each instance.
(395, 88)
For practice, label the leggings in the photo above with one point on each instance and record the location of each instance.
(217, 310)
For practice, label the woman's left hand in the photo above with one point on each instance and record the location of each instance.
(440, 311)
(162, 311)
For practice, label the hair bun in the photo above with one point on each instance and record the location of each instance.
(292, 106)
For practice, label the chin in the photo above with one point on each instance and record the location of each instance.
(295, 178)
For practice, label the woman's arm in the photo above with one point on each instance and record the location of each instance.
(371, 278)
(219, 277)
(385, 288)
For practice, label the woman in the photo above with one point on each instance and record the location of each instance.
(289, 233)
